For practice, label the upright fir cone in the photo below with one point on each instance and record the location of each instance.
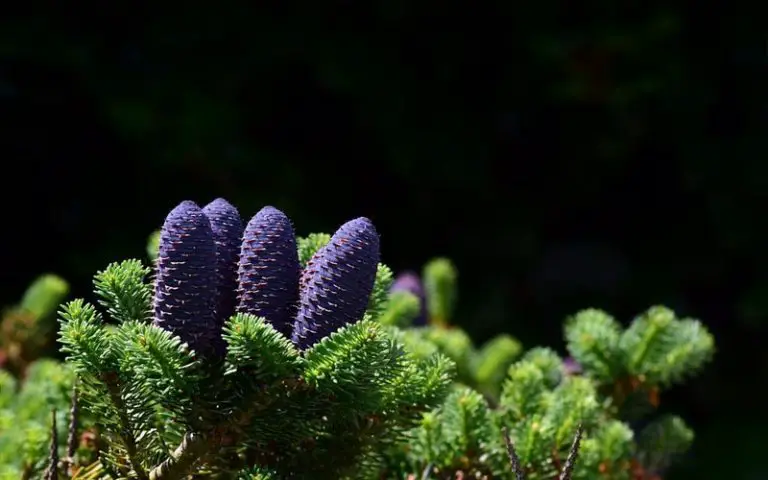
(337, 282)
(410, 282)
(268, 272)
(227, 230)
(185, 282)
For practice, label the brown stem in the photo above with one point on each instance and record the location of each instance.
(556, 460)
(192, 447)
(570, 462)
(52, 472)
(514, 460)
(72, 434)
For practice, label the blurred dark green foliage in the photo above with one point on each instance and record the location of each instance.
(25, 417)
(533, 395)
(637, 129)
(31, 386)
(27, 330)
(615, 395)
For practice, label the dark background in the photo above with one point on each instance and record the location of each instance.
(564, 156)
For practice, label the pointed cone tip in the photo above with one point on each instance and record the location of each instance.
(271, 213)
(183, 209)
(270, 210)
(359, 223)
(219, 203)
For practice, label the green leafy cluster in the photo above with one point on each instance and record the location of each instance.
(26, 329)
(541, 409)
(482, 368)
(25, 419)
(542, 402)
(656, 351)
(265, 411)
(377, 399)
(31, 386)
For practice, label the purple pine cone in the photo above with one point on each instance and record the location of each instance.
(337, 282)
(269, 270)
(410, 282)
(227, 230)
(185, 283)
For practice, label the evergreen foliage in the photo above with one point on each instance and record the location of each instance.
(320, 364)
(32, 387)
(434, 294)
(25, 421)
(276, 404)
(612, 379)
(411, 283)
(26, 329)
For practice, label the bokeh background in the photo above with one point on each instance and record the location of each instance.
(565, 155)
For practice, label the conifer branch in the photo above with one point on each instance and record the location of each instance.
(318, 377)
(72, 434)
(126, 433)
(513, 458)
(190, 450)
(570, 462)
(427, 472)
(52, 472)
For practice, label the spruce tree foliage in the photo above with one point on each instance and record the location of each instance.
(305, 386)
(612, 378)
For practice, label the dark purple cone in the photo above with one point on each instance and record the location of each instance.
(185, 283)
(227, 230)
(268, 272)
(411, 283)
(337, 282)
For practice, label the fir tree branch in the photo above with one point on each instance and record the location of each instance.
(513, 458)
(192, 447)
(379, 298)
(570, 462)
(52, 472)
(72, 434)
(126, 433)
(647, 338)
(440, 285)
(427, 472)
